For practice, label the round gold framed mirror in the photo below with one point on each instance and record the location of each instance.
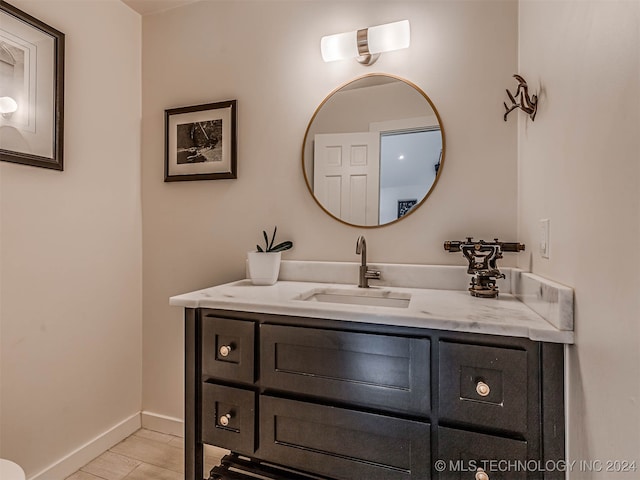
(373, 150)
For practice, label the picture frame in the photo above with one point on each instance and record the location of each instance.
(31, 90)
(405, 206)
(201, 142)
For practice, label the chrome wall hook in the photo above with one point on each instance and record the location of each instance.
(527, 104)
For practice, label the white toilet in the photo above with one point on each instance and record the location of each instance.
(10, 470)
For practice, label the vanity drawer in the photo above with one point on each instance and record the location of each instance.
(465, 452)
(485, 386)
(360, 368)
(228, 349)
(341, 443)
(228, 417)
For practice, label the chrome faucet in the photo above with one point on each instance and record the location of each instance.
(365, 273)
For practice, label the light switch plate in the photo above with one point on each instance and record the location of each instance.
(544, 237)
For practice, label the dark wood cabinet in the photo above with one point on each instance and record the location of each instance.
(228, 349)
(466, 453)
(315, 398)
(228, 417)
(342, 443)
(484, 386)
(379, 371)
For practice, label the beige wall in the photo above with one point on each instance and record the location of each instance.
(70, 242)
(267, 56)
(579, 166)
(70, 253)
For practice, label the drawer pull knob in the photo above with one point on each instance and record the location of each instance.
(481, 475)
(483, 390)
(224, 419)
(225, 350)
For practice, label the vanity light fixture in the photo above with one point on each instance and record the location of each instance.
(366, 44)
(8, 106)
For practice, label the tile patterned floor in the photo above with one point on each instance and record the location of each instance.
(145, 455)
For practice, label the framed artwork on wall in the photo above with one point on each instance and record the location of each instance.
(201, 142)
(404, 206)
(31, 90)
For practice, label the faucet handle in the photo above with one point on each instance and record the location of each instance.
(373, 274)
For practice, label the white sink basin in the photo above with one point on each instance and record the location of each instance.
(364, 296)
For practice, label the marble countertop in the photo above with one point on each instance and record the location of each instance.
(453, 309)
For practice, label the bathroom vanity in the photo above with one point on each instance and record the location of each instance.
(315, 379)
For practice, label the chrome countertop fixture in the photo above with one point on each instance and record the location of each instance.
(365, 273)
(482, 257)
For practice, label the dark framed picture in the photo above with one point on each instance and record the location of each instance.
(31, 90)
(201, 142)
(404, 206)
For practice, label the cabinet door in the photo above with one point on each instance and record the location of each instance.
(462, 455)
(343, 444)
(359, 368)
(228, 417)
(484, 386)
(228, 348)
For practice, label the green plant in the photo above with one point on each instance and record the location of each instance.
(269, 247)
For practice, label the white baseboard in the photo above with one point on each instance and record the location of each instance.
(162, 423)
(90, 450)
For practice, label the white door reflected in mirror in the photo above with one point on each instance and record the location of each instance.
(346, 175)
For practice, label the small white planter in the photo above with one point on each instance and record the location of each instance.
(263, 267)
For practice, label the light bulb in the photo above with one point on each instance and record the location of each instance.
(339, 46)
(7, 106)
(392, 36)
